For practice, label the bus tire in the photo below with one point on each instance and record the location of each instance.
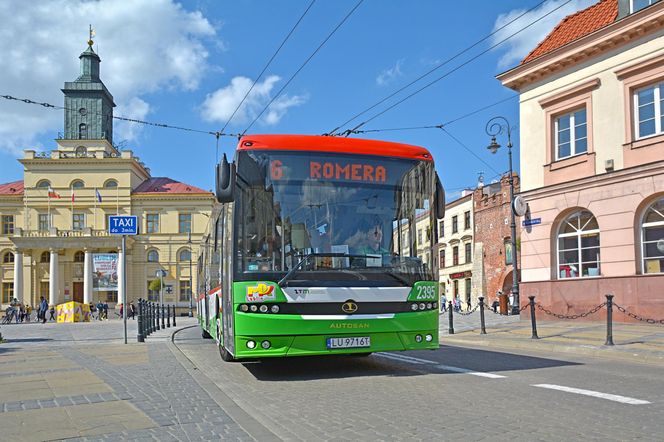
(225, 355)
(206, 335)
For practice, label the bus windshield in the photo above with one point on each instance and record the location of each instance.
(312, 219)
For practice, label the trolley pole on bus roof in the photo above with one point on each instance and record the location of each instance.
(123, 225)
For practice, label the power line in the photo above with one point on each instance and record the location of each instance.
(459, 66)
(460, 143)
(458, 54)
(303, 65)
(268, 64)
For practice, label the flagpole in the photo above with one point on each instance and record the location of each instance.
(117, 200)
(72, 207)
(95, 210)
(48, 194)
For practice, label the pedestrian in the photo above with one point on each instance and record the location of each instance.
(511, 302)
(457, 304)
(28, 312)
(43, 306)
(93, 309)
(468, 304)
(100, 310)
(106, 310)
(132, 310)
(52, 312)
(443, 304)
(121, 310)
(16, 309)
(495, 305)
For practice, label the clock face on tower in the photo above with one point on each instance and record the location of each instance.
(83, 111)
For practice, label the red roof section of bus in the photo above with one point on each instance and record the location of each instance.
(13, 188)
(575, 26)
(165, 185)
(313, 143)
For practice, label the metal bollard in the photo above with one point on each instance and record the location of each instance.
(148, 314)
(140, 337)
(153, 313)
(163, 317)
(532, 317)
(482, 325)
(174, 316)
(609, 320)
(168, 316)
(451, 320)
(156, 308)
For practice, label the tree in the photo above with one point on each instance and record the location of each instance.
(155, 285)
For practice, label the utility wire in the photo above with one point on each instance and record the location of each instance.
(440, 65)
(303, 65)
(455, 69)
(268, 64)
(460, 143)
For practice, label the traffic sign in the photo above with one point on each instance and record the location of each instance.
(123, 225)
(531, 222)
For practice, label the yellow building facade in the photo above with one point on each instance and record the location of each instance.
(54, 221)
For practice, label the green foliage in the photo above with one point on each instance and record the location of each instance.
(155, 285)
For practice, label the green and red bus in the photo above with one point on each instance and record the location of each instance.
(321, 245)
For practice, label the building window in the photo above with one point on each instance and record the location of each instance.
(110, 184)
(441, 229)
(153, 256)
(185, 290)
(466, 220)
(652, 238)
(8, 258)
(7, 224)
(571, 132)
(419, 237)
(455, 224)
(455, 288)
(649, 104)
(7, 292)
(184, 222)
(441, 255)
(78, 221)
(45, 257)
(153, 295)
(469, 252)
(43, 222)
(455, 256)
(77, 184)
(44, 184)
(637, 5)
(82, 131)
(578, 246)
(79, 256)
(184, 255)
(152, 223)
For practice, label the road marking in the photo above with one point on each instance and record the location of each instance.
(611, 397)
(418, 361)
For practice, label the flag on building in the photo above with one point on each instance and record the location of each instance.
(73, 196)
(52, 193)
(98, 195)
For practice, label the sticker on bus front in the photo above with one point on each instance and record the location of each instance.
(260, 292)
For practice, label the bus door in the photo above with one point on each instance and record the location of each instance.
(227, 278)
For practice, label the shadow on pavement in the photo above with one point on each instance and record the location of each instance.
(12, 340)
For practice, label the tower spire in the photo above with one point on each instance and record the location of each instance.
(92, 34)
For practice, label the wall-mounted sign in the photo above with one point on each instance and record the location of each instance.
(461, 275)
(531, 222)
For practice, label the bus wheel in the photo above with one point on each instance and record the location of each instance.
(206, 335)
(225, 355)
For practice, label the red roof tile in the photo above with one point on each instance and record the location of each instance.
(15, 188)
(166, 185)
(575, 26)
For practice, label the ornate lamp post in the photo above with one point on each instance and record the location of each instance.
(191, 279)
(494, 127)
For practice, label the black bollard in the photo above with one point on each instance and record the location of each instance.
(451, 328)
(148, 313)
(140, 337)
(168, 316)
(482, 325)
(174, 316)
(532, 317)
(156, 308)
(163, 317)
(609, 320)
(153, 314)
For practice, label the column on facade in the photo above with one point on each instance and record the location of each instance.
(122, 284)
(18, 275)
(87, 277)
(53, 282)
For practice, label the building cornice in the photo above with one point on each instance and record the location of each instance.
(618, 33)
(171, 196)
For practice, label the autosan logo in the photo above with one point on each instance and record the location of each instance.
(349, 307)
(260, 292)
(345, 325)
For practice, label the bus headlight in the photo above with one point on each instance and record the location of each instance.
(429, 305)
(263, 308)
(428, 338)
(251, 345)
(413, 307)
(266, 344)
(274, 309)
(418, 338)
(244, 308)
(435, 305)
(254, 308)
(422, 306)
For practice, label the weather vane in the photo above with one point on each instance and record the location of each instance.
(92, 34)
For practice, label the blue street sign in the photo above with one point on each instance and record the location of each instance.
(531, 222)
(123, 225)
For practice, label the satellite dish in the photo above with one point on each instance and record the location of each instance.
(520, 206)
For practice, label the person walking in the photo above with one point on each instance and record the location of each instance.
(132, 310)
(443, 304)
(52, 312)
(43, 306)
(106, 310)
(100, 310)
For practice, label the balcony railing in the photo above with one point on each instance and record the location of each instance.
(59, 233)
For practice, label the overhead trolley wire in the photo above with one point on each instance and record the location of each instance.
(268, 64)
(460, 143)
(303, 65)
(334, 132)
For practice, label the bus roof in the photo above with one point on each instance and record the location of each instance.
(314, 143)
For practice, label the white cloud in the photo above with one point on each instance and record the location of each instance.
(145, 46)
(521, 44)
(220, 104)
(389, 74)
(136, 109)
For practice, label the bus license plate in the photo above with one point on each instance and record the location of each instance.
(349, 342)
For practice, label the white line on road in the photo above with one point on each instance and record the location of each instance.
(611, 397)
(418, 361)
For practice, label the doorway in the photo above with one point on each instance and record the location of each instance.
(78, 291)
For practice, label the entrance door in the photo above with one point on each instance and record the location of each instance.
(43, 289)
(78, 291)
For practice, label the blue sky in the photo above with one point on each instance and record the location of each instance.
(190, 63)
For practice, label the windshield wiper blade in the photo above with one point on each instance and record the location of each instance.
(292, 271)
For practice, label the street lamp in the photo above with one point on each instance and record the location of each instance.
(495, 126)
(191, 279)
(161, 273)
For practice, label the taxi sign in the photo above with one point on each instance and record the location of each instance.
(123, 225)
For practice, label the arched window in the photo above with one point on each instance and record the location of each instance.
(44, 184)
(184, 255)
(111, 183)
(81, 151)
(578, 246)
(77, 184)
(8, 258)
(82, 131)
(652, 238)
(153, 256)
(79, 256)
(45, 257)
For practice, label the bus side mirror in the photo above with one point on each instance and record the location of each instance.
(439, 199)
(225, 181)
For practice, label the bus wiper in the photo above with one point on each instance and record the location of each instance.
(292, 271)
